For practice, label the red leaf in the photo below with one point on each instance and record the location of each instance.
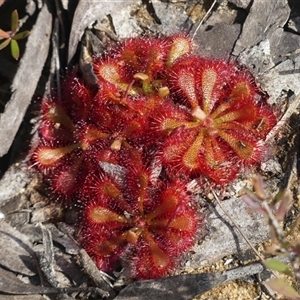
(4, 34)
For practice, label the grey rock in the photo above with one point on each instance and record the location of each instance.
(124, 24)
(264, 18)
(172, 18)
(258, 57)
(12, 183)
(16, 251)
(294, 24)
(223, 238)
(284, 77)
(241, 3)
(183, 287)
(217, 42)
(89, 11)
(283, 44)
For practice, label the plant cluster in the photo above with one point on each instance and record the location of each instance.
(12, 36)
(124, 152)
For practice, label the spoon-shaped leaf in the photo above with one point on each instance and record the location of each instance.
(21, 35)
(15, 50)
(279, 266)
(4, 44)
(14, 21)
(283, 288)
